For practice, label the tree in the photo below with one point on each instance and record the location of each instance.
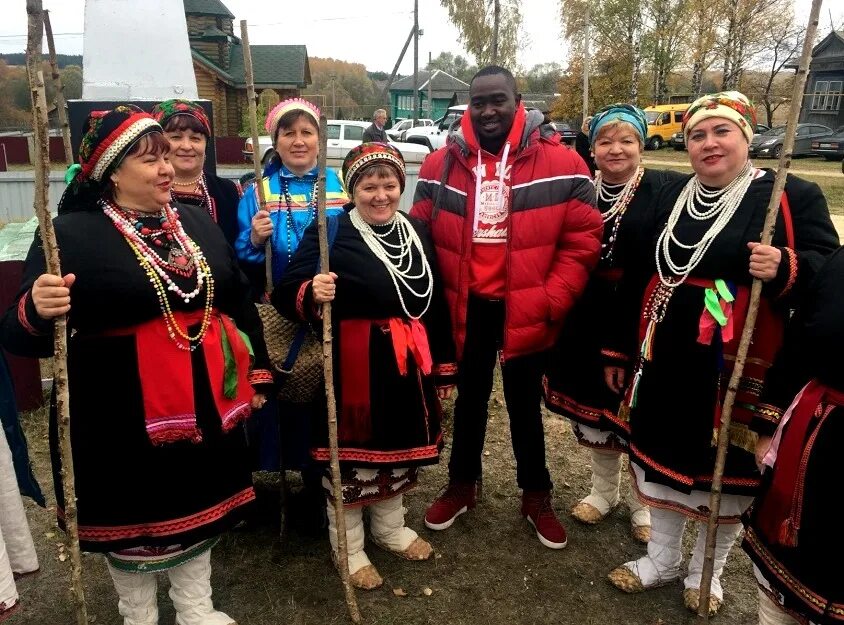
(541, 78)
(456, 65)
(702, 29)
(745, 33)
(475, 19)
(72, 82)
(663, 41)
(339, 83)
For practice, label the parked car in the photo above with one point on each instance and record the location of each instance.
(343, 135)
(664, 120)
(567, 133)
(678, 139)
(434, 136)
(831, 147)
(406, 124)
(769, 144)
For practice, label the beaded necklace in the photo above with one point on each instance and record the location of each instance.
(618, 205)
(157, 268)
(291, 225)
(720, 204)
(394, 256)
(205, 197)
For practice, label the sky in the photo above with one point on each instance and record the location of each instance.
(371, 32)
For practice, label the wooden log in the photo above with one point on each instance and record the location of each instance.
(60, 102)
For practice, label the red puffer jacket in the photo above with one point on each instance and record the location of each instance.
(554, 234)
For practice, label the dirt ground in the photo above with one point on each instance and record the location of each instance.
(489, 567)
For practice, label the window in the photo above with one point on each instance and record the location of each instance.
(827, 95)
(666, 118)
(334, 131)
(353, 133)
(678, 116)
(803, 131)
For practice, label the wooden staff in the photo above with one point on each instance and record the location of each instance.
(753, 308)
(51, 253)
(268, 250)
(60, 102)
(328, 369)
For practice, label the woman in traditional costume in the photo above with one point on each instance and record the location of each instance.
(692, 286)
(575, 386)
(793, 530)
(291, 187)
(158, 367)
(188, 129)
(393, 353)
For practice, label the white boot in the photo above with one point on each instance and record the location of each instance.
(771, 613)
(137, 601)
(662, 564)
(19, 545)
(362, 573)
(724, 540)
(190, 590)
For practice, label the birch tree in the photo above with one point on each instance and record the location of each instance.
(475, 19)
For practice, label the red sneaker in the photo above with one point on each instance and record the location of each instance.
(537, 509)
(457, 499)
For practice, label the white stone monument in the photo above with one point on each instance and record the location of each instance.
(136, 50)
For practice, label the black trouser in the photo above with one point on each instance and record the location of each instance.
(522, 378)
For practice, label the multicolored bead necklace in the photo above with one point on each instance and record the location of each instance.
(291, 226)
(205, 197)
(157, 268)
(620, 201)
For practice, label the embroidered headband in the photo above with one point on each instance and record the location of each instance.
(109, 135)
(170, 108)
(730, 105)
(362, 157)
(284, 107)
(633, 115)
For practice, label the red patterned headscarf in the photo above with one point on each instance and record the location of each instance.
(108, 137)
(170, 108)
(730, 105)
(362, 157)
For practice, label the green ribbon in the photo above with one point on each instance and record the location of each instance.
(230, 366)
(712, 301)
(72, 172)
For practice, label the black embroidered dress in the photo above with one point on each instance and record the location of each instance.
(574, 384)
(804, 573)
(132, 493)
(224, 196)
(400, 428)
(671, 428)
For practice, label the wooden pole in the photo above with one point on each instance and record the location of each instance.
(60, 102)
(51, 252)
(328, 369)
(268, 250)
(256, 156)
(386, 88)
(753, 308)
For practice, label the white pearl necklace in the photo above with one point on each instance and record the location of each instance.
(408, 239)
(720, 204)
(614, 199)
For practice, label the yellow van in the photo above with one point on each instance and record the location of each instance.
(663, 121)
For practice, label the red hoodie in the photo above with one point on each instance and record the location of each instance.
(488, 264)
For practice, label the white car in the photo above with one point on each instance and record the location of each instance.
(343, 135)
(434, 136)
(406, 124)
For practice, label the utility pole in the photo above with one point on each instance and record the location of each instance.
(415, 62)
(333, 97)
(430, 80)
(496, 16)
(586, 36)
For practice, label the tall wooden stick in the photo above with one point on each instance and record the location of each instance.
(51, 253)
(753, 308)
(60, 102)
(328, 369)
(268, 249)
(256, 156)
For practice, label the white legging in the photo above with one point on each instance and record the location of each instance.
(606, 486)
(770, 613)
(386, 522)
(17, 551)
